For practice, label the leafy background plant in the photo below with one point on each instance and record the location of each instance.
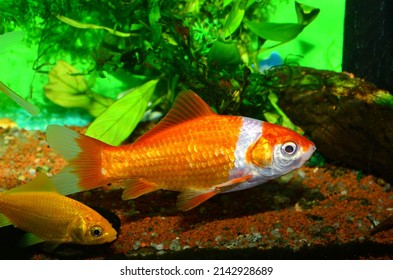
(157, 48)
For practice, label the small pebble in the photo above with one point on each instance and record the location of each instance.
(32, 171)
(21, 178)
(301, 173)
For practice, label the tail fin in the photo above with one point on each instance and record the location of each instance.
(83, 155)
(31, 108)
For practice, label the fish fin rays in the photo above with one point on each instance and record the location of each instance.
(67, 181)
(41, 183)
(226, 186)
(29, 107)
(187, 106)
(189, 199)
(4, 221)
(29, 239)
(136, 188)
(83, 154)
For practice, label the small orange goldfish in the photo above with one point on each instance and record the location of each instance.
(192, 150)
(46, 215)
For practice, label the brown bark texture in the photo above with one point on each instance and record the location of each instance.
(349, 119)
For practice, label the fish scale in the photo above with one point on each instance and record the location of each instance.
(39, 209)
(20, 207)
(203, 155)
(191, 150)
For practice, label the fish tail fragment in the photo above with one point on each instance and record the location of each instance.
(29, 107)
(83, 155)
(189, 199)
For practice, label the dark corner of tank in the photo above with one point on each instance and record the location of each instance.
(112, 69)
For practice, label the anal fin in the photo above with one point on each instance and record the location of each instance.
(136, 188)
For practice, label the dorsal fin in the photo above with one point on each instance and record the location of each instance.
(187, 106)
(39, 184)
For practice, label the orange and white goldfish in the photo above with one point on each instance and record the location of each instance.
(192, 150)
(48, 216)
(31, 108)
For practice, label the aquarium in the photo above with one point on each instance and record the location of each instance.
(195, 130)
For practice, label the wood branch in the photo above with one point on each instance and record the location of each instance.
(349, 119)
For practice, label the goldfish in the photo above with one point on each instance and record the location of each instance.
(50, 217)
(192, 150)
(10, 40)
(29, 107)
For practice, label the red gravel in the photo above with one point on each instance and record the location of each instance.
(313, 208)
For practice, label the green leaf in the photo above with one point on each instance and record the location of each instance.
(224, 53)
(282, 32)
(252, 2)
(193, 7)
(235, 17)
(99, 104)
(117, 122)
(274, 118)
(226, 3)
(305, 14)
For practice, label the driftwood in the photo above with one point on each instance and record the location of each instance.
(349, 120)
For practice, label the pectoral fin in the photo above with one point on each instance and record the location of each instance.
(226, 186)
(189, 199)
(137, 188)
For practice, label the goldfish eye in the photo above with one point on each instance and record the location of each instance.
(96, 231)
(289, 148)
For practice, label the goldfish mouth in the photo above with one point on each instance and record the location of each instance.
(114, 237)
(308, 154)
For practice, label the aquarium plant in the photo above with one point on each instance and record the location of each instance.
(117, 60)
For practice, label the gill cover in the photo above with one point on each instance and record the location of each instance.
(86, 231)
(77, 230)
(260, 153)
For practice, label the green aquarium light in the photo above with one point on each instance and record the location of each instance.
(320, 45)
(114, 48)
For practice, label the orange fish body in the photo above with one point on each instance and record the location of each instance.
(39, 209)
(192, 150)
